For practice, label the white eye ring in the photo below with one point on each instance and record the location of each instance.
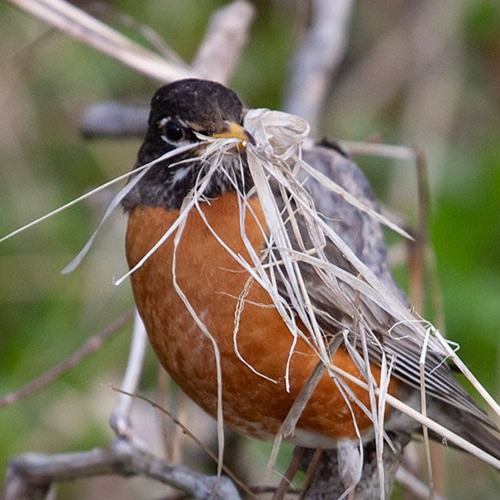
(173, 132)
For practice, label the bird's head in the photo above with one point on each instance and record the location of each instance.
(181, 113)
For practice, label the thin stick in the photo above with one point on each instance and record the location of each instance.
(318, 55)
(224, 40)
(288, 426)
(286, 480)
(120, 420)
(92, 345)
(31, 476)
(188, 433)
(85, 28)
(311, 470)
(417, 265)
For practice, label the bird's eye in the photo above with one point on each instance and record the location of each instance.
(173, 131)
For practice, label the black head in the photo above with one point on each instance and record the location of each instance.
(178, 111)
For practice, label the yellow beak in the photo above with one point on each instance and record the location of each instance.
(234, 131)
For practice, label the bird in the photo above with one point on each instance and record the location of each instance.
(188, 291)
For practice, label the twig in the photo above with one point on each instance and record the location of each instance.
(114, 119)
(286, 480)
(187, 432)
(377, 149)
(224, 40)
(318, 55)
(424, 208)
(31, 476)
(414, 485)
(288, 426)
(417, 265)
(120, 417)
(91, 346)
(85, 28)
(312, 466)
(216, 60)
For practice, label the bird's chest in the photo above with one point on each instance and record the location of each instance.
(192, 293)
(196, 298)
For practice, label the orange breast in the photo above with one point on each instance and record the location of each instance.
(255, 399)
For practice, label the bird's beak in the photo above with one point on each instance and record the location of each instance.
(234, 131)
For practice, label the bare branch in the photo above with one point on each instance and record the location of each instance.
(30, 476)
(91, 346)
(85, 28)
(188, 433)
(120, 417)
(224, 40)
(318, 55)
(216, 60)
(114, 119)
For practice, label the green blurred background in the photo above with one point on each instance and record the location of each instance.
(415, 73)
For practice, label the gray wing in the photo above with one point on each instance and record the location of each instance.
(365, 237)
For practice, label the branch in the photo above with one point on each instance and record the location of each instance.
(91, 346)
(317, 57)
(120, 420)
(216, 59)
(224, 40)
(85, 28)
(31, 476)
(115, 120)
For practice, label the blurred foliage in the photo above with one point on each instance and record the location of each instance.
(47, 80)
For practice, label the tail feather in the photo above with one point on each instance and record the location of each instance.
(483, 435)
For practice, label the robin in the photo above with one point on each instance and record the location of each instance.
(192, 291)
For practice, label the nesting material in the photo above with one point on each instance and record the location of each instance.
(296, 238)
